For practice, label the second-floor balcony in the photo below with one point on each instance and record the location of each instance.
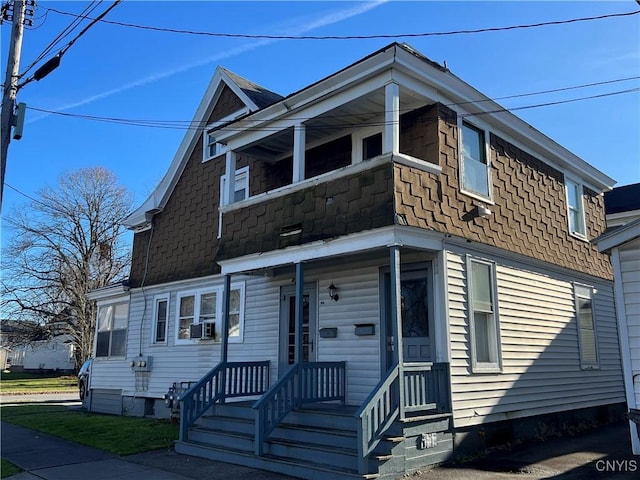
(328, 176)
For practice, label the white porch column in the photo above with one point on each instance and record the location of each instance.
(299, 140)
(391, 118)
(230, 177)
(299, 311)
(396, 318)
(224, 350)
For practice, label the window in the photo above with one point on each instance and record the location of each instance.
(160, 315)
(240, 191)
(575, 208)
(200, 315)
(111, 339)
(586, 327)
(211, 147)
(241, 186)
(474, 163)
(485, 341)
(372, 146)
(366, 143)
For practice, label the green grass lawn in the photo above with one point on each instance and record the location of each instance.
(115, 434)
(22, 383)
(8, 469)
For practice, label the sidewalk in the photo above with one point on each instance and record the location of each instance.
(602, 454)
(46, 457)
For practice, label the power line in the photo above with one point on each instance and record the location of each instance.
(352, 37)
(559, 102)
(54, 61)
(194, 125)
(64, 33)
(55, 208)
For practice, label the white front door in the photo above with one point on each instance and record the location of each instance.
(288, 325)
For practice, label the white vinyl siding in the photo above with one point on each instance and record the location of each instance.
(189, 362)
(630, 271)
(541, 371)
(358, 303)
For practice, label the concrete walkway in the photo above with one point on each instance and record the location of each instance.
(45, 457)
(602, 454)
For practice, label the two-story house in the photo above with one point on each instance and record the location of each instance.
(375, 273)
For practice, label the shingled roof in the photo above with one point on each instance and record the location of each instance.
(258, 95)
(622, 199)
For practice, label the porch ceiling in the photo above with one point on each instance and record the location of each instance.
(363, 112)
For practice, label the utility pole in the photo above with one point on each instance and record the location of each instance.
(11, 85)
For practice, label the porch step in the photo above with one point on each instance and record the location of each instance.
(308, 470)
(318, 442)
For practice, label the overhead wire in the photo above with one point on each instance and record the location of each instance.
(196, 125)
(64, 49)
(50, 207)
(64, 33)
(353, 37)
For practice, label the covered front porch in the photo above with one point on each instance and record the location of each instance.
(406, 413)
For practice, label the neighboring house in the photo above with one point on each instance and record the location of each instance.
(53, 354)
(384, 270)
(622, 241)
(622, 205)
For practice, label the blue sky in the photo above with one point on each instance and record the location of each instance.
(122, 72)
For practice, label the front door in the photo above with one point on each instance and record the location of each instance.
(416, 312)
(288, 325)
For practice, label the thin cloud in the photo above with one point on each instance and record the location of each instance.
(313, 24)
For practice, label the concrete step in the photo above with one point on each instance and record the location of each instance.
(307, 470)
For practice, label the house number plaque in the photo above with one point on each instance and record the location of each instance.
(427, 440)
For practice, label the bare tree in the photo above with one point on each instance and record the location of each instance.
(67, 242)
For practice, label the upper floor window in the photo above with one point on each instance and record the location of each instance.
(367, 144)
(111, 336)
(586, 327)
(240, 186)
(160, 316)
(372, 146)
(211, 147)
(199, 315)
(474, 161)
(483, 317)
(575, 208)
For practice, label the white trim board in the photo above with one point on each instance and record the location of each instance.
(356, 242)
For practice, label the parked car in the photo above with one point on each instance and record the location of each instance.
(83, 378)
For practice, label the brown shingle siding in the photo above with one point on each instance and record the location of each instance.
(529, 216)
(184, 238)
(355, 203)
